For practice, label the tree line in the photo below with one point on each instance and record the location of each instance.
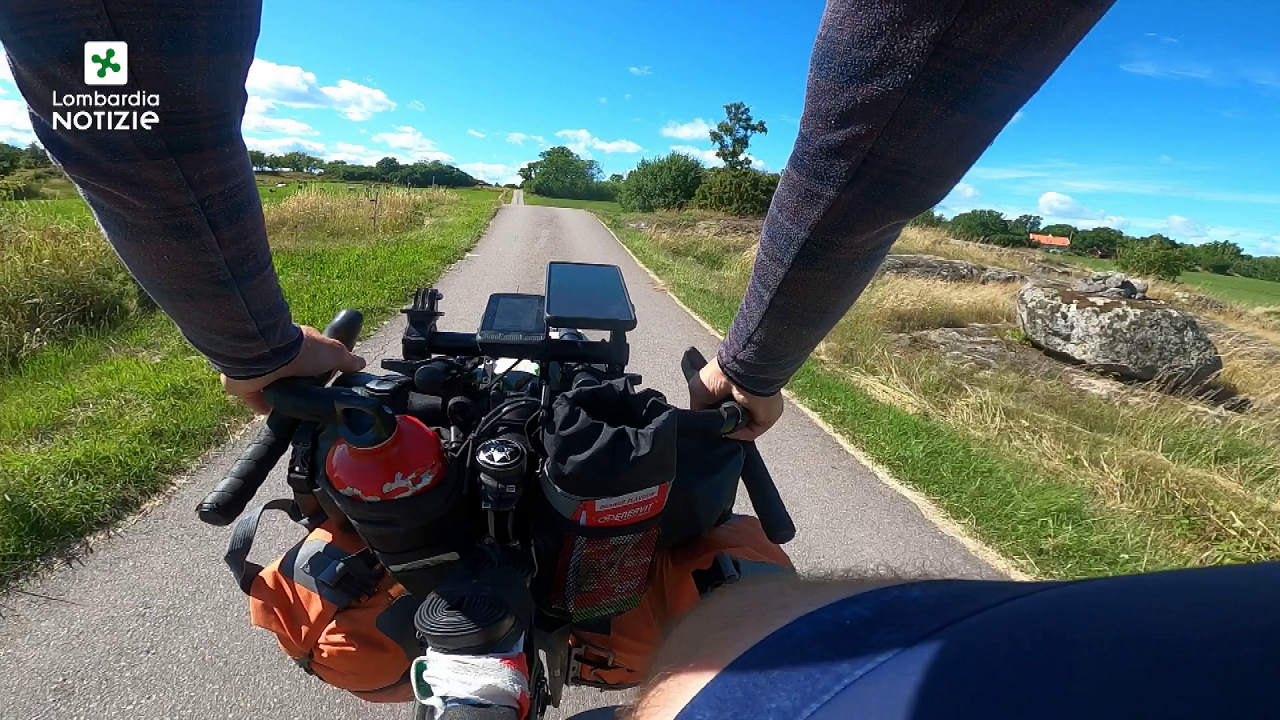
(387, 170)
(1156, 254)
(673, 181)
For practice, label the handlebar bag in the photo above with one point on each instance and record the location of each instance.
(333, 609)
(611, 459)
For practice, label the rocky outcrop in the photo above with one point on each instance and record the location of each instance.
(1133, 339)
(930, 267)
(1109, 284)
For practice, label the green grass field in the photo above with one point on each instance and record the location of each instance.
(1250, 292)
(95, 425)
(606, 206)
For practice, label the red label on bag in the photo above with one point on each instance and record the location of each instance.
(622, 510)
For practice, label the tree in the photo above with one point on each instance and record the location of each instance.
(1158, 239)
(10, 159)
(928, 219)
(561, 173)
(1025, 224)
(387, 167)
(740, 191)
(1060, 230)
(1217, 257)
(1104, 239)
(980, 225)
(34, 156)
(663, 183)
(732, 135)
(1154, 259)
(257, 159)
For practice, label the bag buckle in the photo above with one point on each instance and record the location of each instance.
(351, 576)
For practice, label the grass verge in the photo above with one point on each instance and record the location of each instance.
(1064, 482)
(95, 425)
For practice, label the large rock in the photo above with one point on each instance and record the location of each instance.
(931, 267)
(1134, 339)
(1111, 284)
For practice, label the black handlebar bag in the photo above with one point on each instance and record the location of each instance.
(611, 460)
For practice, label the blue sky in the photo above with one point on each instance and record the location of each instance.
(1165, 118)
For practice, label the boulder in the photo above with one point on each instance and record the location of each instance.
(1109, 284)
(931, 267)
(1133, 339)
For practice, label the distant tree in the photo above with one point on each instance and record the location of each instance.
(732, 135)
(387, 167)
(668, 182)
(10, 159)
(1158, 239)
(1060, 230)
(617, 178)
(34, 156)
(431, 174)
(273, 162)
(979, 225)
(1153, 259)
(1106, 240)
(1025, 224)
(257, 159)
(1217, 257)
(928, 219)
(559, 172)
(742, 191)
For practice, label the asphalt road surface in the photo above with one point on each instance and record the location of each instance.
(150, 625)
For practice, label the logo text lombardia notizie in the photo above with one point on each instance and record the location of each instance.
(105, 63)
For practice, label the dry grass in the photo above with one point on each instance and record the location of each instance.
(1194, 485)
(58, 277)
(350, 215)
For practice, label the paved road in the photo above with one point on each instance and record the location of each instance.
(151, 627)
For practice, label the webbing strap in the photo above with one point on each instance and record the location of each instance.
(241, 542)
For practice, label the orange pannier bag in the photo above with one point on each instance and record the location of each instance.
(335, 611)
(679, 579)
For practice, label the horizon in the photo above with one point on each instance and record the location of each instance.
(1161, 121)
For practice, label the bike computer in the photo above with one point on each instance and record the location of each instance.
(588, 297)
(513, 318)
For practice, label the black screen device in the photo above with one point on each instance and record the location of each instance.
(588, 297)
(513, 318)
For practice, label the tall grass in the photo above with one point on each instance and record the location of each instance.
(1164, 481)
(58, 278)
(94, 425)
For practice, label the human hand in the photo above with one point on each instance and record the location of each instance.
(711, 386)
(319, 355)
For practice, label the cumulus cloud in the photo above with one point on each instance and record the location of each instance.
(583, 142)
(496, 173)
(641, 71)
(292, 86)
(417, 105)
(711, 159)
(260, 116)
(411, 142)
(696, 129)
(5, 73)
(1269, 244)
(1064, 207)
(283, 145)
(1186, 227)
(965, 191)
(518, 138)
(475, 133)
(15, 123)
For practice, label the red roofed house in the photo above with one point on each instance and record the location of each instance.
(1055, 241)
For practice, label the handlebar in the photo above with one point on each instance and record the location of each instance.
(228, 499)
(768, 504)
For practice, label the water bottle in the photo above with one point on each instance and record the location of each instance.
(381, 456)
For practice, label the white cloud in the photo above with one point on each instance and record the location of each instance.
(282, 145)
(354, 154)
(518, 138)
(604, 100)
(413, 144)
(1016, 117)
(416, 105)
(292, 86)
(1186, 227)
(260, 117)
(15, 123)
(475, 133)
(646, 70)
(583, 142)
(965, 191)
(1064, 207)
(627, 96)
(1168, 71)
(1269, 244)
(711, 159)
(5, 73)
(496, 173)
(696, 129)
